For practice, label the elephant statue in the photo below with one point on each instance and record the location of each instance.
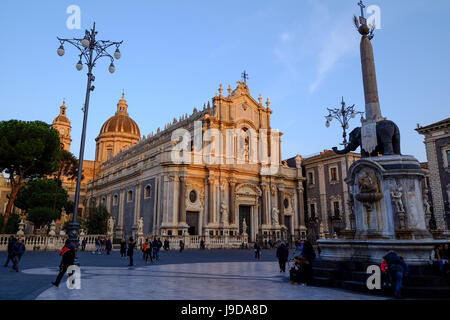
(388, 140)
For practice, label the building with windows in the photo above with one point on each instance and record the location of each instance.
(437, 144)
(326, 192)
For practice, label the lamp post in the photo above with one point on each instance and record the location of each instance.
(343, 115)
(91, 50)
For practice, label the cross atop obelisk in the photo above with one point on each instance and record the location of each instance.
(361, 4)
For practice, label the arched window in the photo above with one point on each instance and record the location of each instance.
(130, 196)
(115, 200)
(148, 191)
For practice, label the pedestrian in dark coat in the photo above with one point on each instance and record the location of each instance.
(308, 251)
(397, 269)
(123, 248)
(83, 245)
(11, 242)
(108, 246)
(282, 255)
(257, 248)
(131, 246)
(18, 251)
(181, 245)
(68, 253)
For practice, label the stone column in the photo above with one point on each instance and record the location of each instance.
(182, 201)
(281, 203)
(232, 198)
(211, 198)
(264, 204)
(373, 111)
(301, 207)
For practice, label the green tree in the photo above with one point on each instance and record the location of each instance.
(42, 193)
(27, 150)
(97, 220)
(42, 216)
(67, 167)
(11, 226)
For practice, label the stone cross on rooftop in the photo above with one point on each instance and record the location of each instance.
(244, 76)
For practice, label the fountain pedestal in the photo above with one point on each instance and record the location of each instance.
(389, 212)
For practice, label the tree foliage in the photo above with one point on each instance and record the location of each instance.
(28, 149)
(97, 220)
(11, 226)
(42, 193)
(42, 216)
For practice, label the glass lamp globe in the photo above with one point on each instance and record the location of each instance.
(85, 42)
(346, 126)
(117, 54)
(330, 118)
(112, 68)
(353, 115)
(60, 51)
(79, 65)
(327, 124)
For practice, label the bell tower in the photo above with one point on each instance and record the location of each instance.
(63, 126)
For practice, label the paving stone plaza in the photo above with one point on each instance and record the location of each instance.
(190, 275)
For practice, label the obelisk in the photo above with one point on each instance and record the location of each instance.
(372, 102)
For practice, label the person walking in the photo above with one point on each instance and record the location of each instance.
(282, 255)
(148, 251)
(166, 245)
(83, 245)
(11, 242)
(257, 248)
(123, 249)
(181, 245)
(108, 246)
(18, 251)
(131, 246)
(202, 244)
(67, 253)
(155, 249)
(97, 246)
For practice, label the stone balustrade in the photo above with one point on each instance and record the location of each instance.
(46, 242)
(193, 242)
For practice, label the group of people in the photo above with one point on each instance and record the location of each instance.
(440, 258)
(150, 249)
(301, 271)
(101, 244)
(16, 249)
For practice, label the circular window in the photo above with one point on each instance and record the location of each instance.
(193, 196)
(286, 203)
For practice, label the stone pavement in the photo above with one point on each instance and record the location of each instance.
(218, 274)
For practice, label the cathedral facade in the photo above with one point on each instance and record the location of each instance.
(217, 172)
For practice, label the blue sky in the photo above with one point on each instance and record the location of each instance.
(303, 55)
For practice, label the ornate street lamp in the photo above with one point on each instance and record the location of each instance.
(343, 115)
(91, 50)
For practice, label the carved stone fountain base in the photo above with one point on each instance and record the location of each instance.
(415, 252)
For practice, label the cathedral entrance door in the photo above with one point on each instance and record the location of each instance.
(244, 213)
(192, 221)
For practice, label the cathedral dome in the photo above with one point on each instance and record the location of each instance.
(118, 133)
(121, 122)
